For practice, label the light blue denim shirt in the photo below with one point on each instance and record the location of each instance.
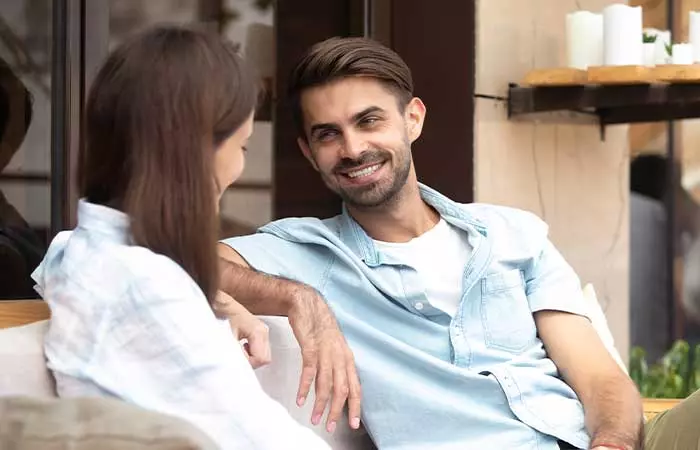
(479, 380)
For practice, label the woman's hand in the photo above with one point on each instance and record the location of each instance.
(251, 331)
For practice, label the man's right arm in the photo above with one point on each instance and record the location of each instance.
(325, 353)
(260, 293)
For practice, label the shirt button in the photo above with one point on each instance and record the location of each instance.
(419, 306)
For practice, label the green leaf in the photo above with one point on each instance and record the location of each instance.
(675, 375)
(648, 38)
(638, 366)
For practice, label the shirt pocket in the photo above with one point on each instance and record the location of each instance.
(505, 313)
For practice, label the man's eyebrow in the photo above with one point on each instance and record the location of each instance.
(366, 112)
(355, 118)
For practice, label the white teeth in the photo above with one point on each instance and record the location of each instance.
(364, 172)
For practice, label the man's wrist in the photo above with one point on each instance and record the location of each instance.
(614, 443)
(605, 446)
(304, 300)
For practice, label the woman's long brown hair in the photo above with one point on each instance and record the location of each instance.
(157, 110)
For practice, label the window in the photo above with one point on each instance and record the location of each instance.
(247, 204)
(25, 141)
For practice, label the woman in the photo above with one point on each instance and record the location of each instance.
(130, 289)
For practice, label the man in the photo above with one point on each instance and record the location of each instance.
(468, 327)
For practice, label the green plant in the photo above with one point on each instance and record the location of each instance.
(648, 38)
(669, 48)
(676, 375)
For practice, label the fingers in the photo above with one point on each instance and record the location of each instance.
(341, 391)
(246, 351)
(259, 347)
(324, 383)
(354, 395)
(309, 357)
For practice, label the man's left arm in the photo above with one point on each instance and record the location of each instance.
(612, 404)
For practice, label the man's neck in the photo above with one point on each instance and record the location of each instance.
(404, 218)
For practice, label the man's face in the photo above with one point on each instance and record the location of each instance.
(359, 140)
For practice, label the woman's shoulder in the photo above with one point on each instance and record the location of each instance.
(106, 271)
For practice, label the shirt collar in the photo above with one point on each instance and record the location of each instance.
(104, 220)
(363, 246)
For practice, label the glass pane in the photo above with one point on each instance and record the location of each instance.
(650, 305)
(249, 24)
(25, 149)
(665, 240)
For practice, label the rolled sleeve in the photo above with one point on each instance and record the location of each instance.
(277, 256)
(553, 285)
(264, 252)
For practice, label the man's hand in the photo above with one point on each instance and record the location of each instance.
(325, 354)
(247, 327)
(327, 358)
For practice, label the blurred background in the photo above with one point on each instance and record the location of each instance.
(623, 209)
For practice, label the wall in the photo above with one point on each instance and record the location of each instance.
(563, 173)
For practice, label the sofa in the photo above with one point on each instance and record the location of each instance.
(24, 372)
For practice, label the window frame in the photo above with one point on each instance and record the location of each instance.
(80, 30)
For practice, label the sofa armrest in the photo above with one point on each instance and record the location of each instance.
(280, 379)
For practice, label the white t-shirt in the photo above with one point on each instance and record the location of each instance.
(439, 256)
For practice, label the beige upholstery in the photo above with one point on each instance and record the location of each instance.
(24, 371)
(23, 364)
(600, 323)
(280, 379)
(30, 423)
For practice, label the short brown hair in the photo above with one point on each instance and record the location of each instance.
(338, 58)
(157, 110)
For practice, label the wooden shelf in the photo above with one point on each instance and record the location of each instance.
(612, 104)
(612, 95)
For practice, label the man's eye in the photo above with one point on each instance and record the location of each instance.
(369, 120)
(326, 135)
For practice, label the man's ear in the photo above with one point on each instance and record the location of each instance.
(414, 116)
(306, 151)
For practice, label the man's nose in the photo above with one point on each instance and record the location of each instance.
(353, 145)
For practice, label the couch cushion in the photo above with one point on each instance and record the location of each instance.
(280, 379)
(25, 373)
(600, 324)
(23, 363)
(92, 423)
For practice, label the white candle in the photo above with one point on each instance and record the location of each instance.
(649, 53)
(622, 35)
(663, 38)
(584, 40)
(694, 34)
(682, 54)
